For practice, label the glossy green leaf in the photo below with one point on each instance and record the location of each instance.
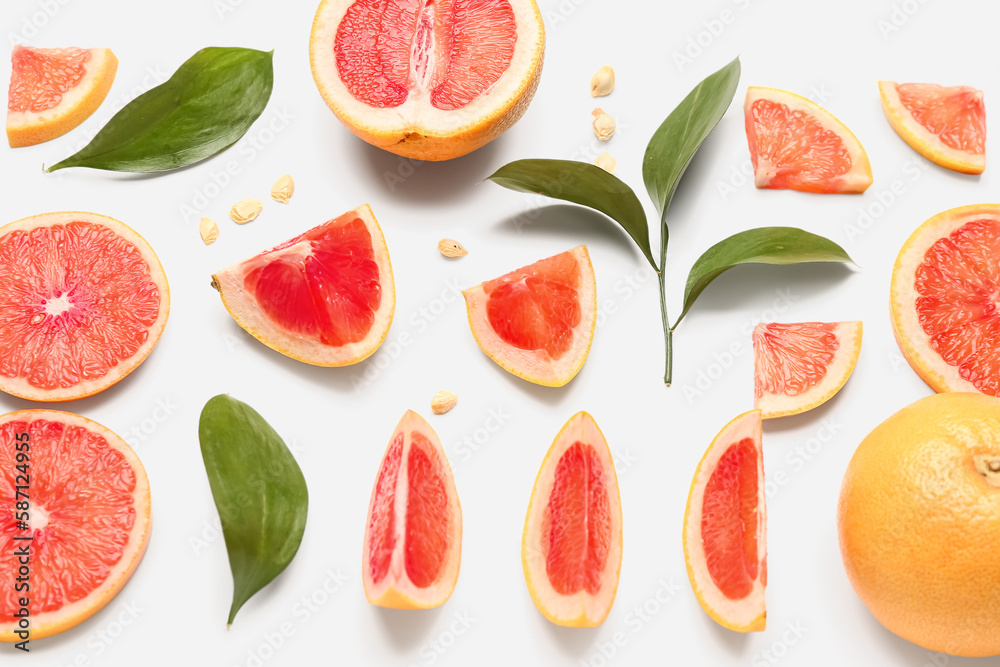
(203, 109)
(259, 491)
(584, 184)
(765, 245)
(678, 138)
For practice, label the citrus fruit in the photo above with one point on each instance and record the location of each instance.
(947, 125)
(724, 527)
(88, 519)
(943, 300)
(325, 297)
(796, 144)
(571, 549)
(54, 90)
(538, 322)
(413, 537)
(800, 366)
(427, 80)
(919, 523)
(84, 301)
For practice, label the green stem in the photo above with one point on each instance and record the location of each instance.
(668, 333)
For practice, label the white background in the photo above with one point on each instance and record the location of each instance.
(834, 53)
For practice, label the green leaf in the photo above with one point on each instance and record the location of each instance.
(765, 245)
(259, 491)
(580, 183)
(677, 140)
(203, 109)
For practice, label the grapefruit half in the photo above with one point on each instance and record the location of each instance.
(796, 144)
(943, 298)
(571, 549)
(84, 300)
(947, 125)
(800, 366)
(325, 297)
(88, 518)
(54, 90)
(538, 321)
(430, 80)
(413, 537)
(724, 527)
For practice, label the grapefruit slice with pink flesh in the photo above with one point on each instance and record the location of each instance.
(943, 300)
(325, 297)
(54, 90)
(800, 366)
(571, 549)
(724, 527)
(430, 80)
(945, 124)
(796, 144)
(84, 300)
(413, 537)
(88, 517)
(538, 321)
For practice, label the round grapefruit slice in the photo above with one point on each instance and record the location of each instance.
(87, 516)
(325, 297)
(947, 125)
(800, 366)
(538, 322)
(943, 297)
(413, 537)
(54, 90)
(84, 301)
(796, 144)
(724, 527)
(429, 79)
(571, 549)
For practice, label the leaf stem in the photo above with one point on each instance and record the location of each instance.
(668, 333)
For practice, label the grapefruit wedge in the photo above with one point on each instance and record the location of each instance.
(428, 80)
(84, 301)
(87, 516)
(947, 125)
(538, 322)
(943, 300)
(796, 144)
(413, 537)
(724, 527)
(571, 549)
(325, 297)
(800, 366)
(54, 90)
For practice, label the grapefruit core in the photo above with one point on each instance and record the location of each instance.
(84, 301)
(413, 537)
(943, 297)
(428, 79)
(54, 90)
(947, 125)
(325, 297)
(571, 549)
(724, 527)
(88, 516)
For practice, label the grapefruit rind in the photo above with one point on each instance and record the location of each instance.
(923, 140)
(46, 624)
(749, 613)
(837, 373)
(20, 387)
(396, 591)
(415, 129)
(27, 128)
(243, 308)
(914, 343)
(855, 181)
(525, 364)
(579, 610)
